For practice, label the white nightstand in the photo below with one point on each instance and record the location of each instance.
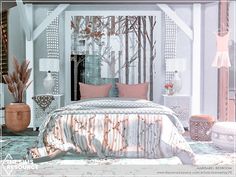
(181, 105)
(44, 104)
(59, 99)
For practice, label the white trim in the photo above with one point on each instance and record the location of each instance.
(196, 60)
(68, 15)
(109, 12)
(29, 54)
(59, 9)
(179, 22)
(24, 19)
(2, 119)
(67, 58)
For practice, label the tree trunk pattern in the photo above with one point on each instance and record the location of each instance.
(124, 28)
(144, 48)
(151, 57)
(126, 49)
(139, 49)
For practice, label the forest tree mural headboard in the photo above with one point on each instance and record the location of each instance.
(110, 49)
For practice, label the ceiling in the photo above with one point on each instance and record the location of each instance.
(11, 3)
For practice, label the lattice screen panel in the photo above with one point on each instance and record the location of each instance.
(52, 36)
(170, 43)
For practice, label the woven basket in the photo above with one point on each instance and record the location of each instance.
(200, 126)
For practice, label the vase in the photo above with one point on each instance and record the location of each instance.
(170, 92)
(17, 116)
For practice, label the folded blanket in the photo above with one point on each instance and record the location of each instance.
(113, 128)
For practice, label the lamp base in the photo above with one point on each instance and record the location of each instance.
(177, 82)
(49, 83)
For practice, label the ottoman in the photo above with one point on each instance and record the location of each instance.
(224, 135)
(200, 126)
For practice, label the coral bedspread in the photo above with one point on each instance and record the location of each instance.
(113, 128)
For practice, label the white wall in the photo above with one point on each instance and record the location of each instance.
(184, 48)
(209, 74)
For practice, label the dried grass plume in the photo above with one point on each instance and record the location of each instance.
(18, 80)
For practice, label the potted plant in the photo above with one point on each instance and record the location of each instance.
(17, 113)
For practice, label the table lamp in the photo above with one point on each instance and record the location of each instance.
(176, 65)
(49, 65)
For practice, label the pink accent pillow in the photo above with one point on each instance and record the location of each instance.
(94, 91)
(133, 91)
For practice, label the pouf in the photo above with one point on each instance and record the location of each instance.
(224, 135)
(200, 126)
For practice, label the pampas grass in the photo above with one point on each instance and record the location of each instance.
(18, 80)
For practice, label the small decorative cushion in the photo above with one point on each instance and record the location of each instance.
(94, 91)
(200, 126)
(133, 91)
(224, 135)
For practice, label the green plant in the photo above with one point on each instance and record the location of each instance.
(17, 81)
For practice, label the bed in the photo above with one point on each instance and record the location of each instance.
(113, 127)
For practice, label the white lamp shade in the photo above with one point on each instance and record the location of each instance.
(175, 64)
(49, 64)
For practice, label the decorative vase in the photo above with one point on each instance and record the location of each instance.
(17, 116)
(177, 82)
(170, 92)
(49, 83)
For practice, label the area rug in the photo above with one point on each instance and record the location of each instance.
(206, 154)
(16, 146)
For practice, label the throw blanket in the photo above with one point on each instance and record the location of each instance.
(113, 128)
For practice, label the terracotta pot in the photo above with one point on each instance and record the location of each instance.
(17, 116)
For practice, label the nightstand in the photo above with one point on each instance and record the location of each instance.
(44, 104)
(181, 105)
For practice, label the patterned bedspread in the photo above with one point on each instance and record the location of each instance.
(113, 128)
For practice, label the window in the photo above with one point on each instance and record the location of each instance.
(4, 46)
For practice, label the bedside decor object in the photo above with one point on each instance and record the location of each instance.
(176, 65)
(45, 103)
(200, 127)
(169, 89)
(224, 135)
(17, 114)
(49, 65)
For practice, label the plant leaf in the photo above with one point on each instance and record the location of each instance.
(16, 64)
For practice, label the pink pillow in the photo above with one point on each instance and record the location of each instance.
(94, 91)
(133, 91)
